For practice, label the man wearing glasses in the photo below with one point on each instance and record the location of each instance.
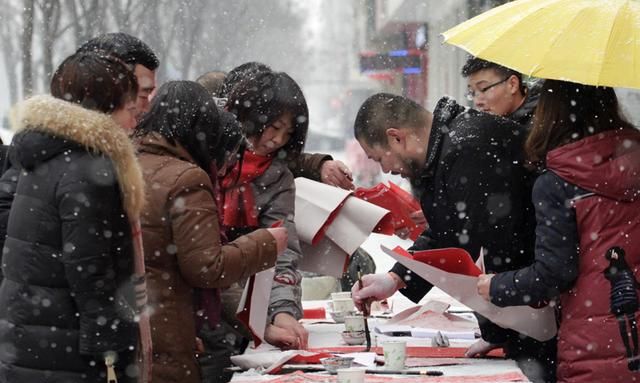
(498, 90)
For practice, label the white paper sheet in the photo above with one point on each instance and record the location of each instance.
(367, 359)
(424, 332)
(314, 204)
(536, 323)
(325, 258)
(354, 222)
(256, 300)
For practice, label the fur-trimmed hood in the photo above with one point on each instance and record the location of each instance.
(94, 131)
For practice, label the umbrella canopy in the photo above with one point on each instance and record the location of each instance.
(593, 42)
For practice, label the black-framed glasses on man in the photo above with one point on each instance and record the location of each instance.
(472, 93)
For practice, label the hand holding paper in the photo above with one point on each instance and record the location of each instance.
(484, 286)
(281, 237)
(336, 173)
(254, 304)
(402, 205)
(459, 279)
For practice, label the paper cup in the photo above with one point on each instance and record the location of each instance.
(354, 323)
(395, 353)
(343, 304)
(350, 375)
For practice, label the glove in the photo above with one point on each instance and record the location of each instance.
(374, 287)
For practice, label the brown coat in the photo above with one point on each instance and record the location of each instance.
(183, 251)
(308, 165)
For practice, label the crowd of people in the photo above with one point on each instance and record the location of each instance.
(131, 216)
(547, 183)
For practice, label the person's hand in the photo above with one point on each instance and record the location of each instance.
(287, 333)
(374, 287)
(480, 348)
(418, 218)
(281, 236)
(336, 173)
(199, 346)
(484, 286)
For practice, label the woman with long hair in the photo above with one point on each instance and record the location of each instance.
(587, 235)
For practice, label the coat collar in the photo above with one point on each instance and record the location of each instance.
(95, 131)
(156, 143)
(446, 110)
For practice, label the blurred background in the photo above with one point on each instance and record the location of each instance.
(340, 51)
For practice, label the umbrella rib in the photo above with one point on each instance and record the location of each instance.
(557, 37)
(507, 32)
(606, 46)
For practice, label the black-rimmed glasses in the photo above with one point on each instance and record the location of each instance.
(471, 94)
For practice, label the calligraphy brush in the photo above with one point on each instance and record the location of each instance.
(365, 313)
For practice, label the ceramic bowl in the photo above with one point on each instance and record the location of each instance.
(332, 364)
(353, 338)
(338, 316)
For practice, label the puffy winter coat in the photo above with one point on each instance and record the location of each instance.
(181, 236)
(67, 295)
(586, 204)
(475, 193)
(524, 114)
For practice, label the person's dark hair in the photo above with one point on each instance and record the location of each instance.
(259, 101)
(183, 112)
(212, 82)
(568, 112)
(383, 111)
(475, 64)
(232, 139)
(128, 48)
(240, 73)
(94, 80)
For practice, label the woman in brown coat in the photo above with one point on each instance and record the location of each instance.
(180, 140)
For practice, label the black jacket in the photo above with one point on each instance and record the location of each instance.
(67, 295)
(475, 193)
(556, 268)
(524, 114)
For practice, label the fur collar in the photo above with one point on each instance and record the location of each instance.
(96, 131)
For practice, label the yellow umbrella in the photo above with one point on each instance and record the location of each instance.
(593, 42)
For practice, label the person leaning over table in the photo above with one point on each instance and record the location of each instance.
(468, 169)
(180, 139)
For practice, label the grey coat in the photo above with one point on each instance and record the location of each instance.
(275, 193)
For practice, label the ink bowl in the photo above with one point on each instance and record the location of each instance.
(353, 338)
(334, 363)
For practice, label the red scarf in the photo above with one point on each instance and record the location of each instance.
(236, 200)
